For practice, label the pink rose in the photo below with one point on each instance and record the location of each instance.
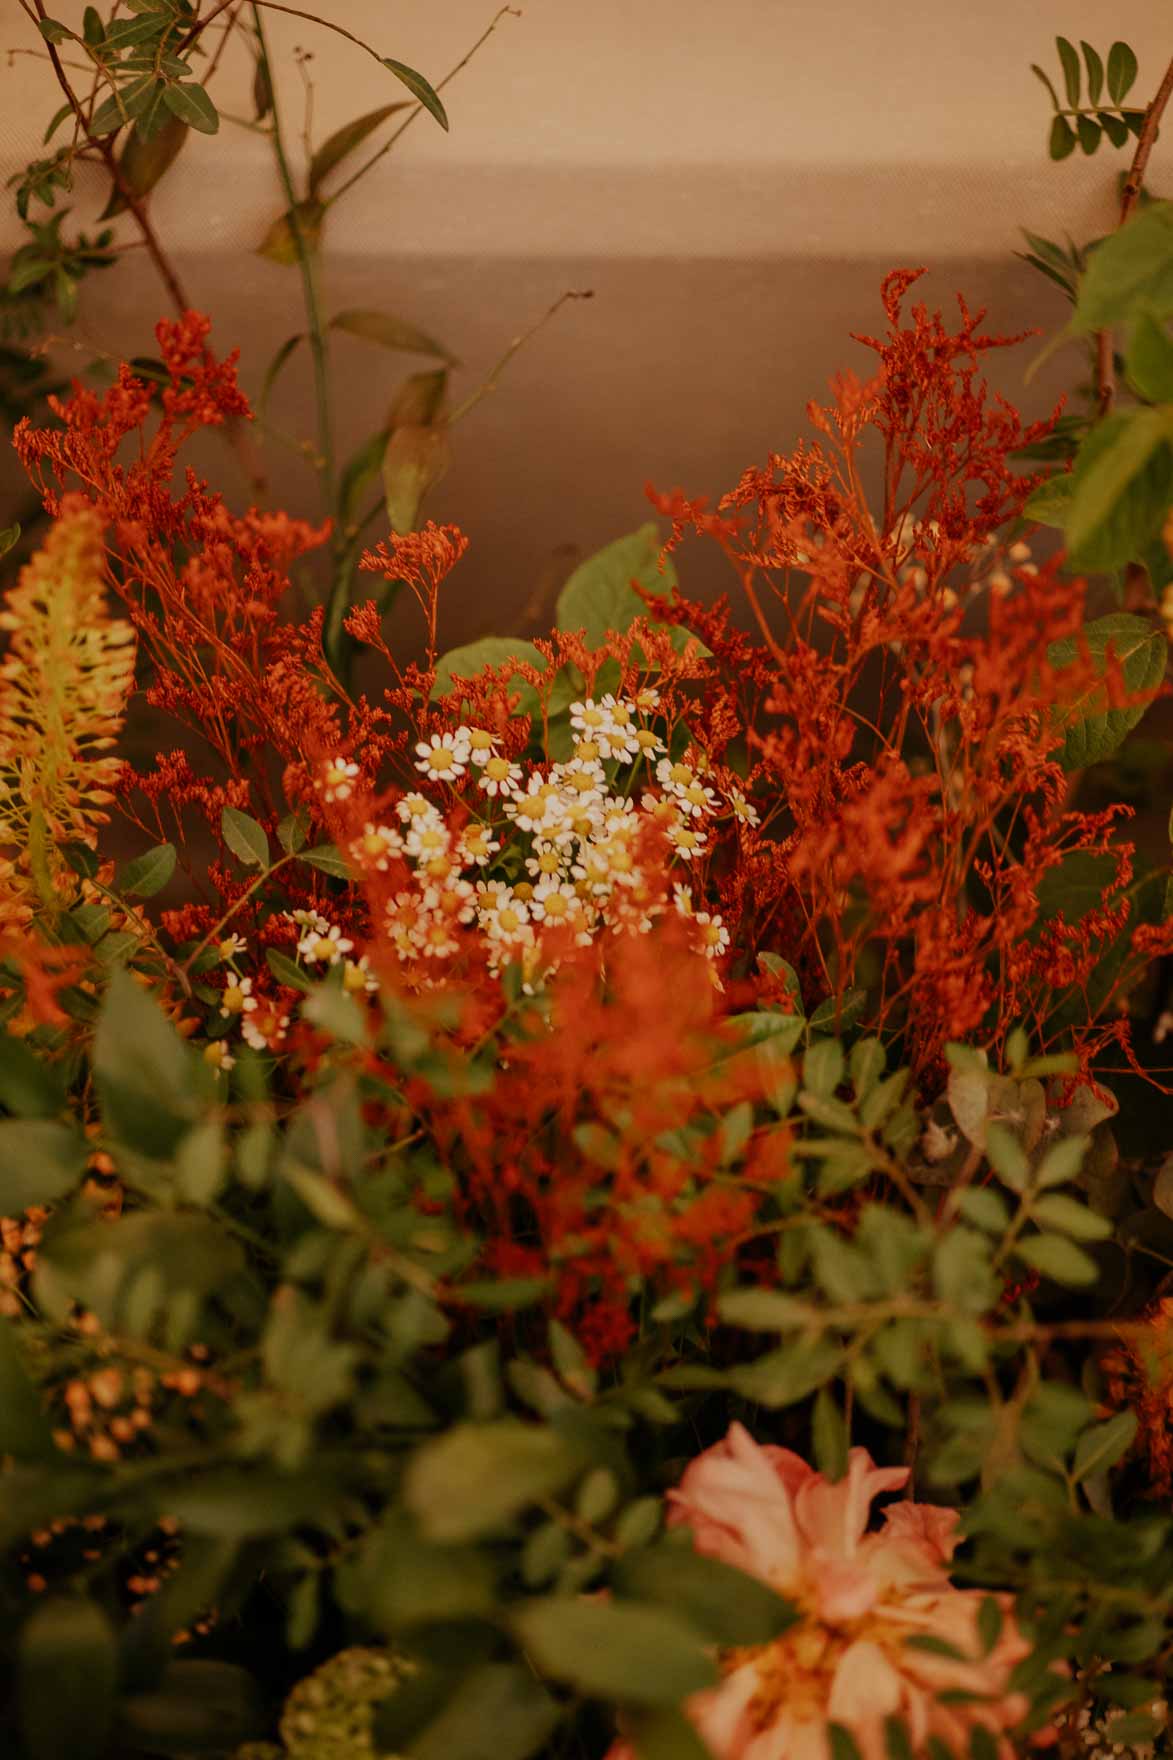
(862, 1595)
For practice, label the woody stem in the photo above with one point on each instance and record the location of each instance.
(1130, 195)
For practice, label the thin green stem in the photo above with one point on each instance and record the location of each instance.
(214, 933)
(307, 264)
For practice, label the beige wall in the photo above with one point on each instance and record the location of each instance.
(730, 177)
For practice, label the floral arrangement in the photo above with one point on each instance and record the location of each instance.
(607, 1190)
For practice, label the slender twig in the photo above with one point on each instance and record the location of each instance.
(506, 11)
(293, 11)
(490, 384)
(1129, 196)
(309, 283)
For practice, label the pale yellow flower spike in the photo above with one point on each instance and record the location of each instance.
(64, 682)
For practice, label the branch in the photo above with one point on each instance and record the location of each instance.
(235, 433)
(1129, 196)
(510, 11)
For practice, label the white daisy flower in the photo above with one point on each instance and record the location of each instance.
(231, 946)
(357, 975)
(476, 845)
(481, 744)
(444, 757)
(547, 861)
(714, 936)
(498, 776)
(509, 921)
(416, 806)
(376, 846)
(588, 717)
(696, 799)
(743, 809)
(324, 946)
(428, 838)
(685, 840)
(675, 777)
(554, 902)
(216, 1053)
(237, 998)
(264, 1032)
(336, 779)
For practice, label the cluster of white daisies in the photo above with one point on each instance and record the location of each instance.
(263, 1024)
(513, 854)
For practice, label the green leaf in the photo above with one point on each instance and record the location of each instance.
(1149, 362)
(273, 370)
(1122, 70)
(1059, 1259)
(763, 1310)
(478, 1476)
(615, 1650)
(145, 158)
(1105, 1445)
(148, 873)
(1069, 61)
(9, 538)
(989, 1624)
(1089, 134)
(419, 88)
(192, 105)
(292, 833)
(472, 659)
(40, 1162)
(1130, 270)
(1062, 1161)
(1113, 126)
(30, 1086)
(359, 472)
(836, 1013)
(961, 1271)
(1062, 140)
(287, 971)
(389, 332)
(1007, 1156)
(67, 1680)
(53, 30)
(327, 860)
(1070, 1217)
(416, 459)
(147, 1078)
(338, 146)
(245, 838)
(822, 1067)
(280, 243)
(1042, 77)
(1121, 487)
(498, 1707)
(200, 1707)
(665, 1735)
(1076, 885)
(724, 1603)
(984, 1208)
(600, 595)
(25, 1430)
(788, 1374)
(829, 1435)
(1093, 729)
(843, 1744)
(1095, 72)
